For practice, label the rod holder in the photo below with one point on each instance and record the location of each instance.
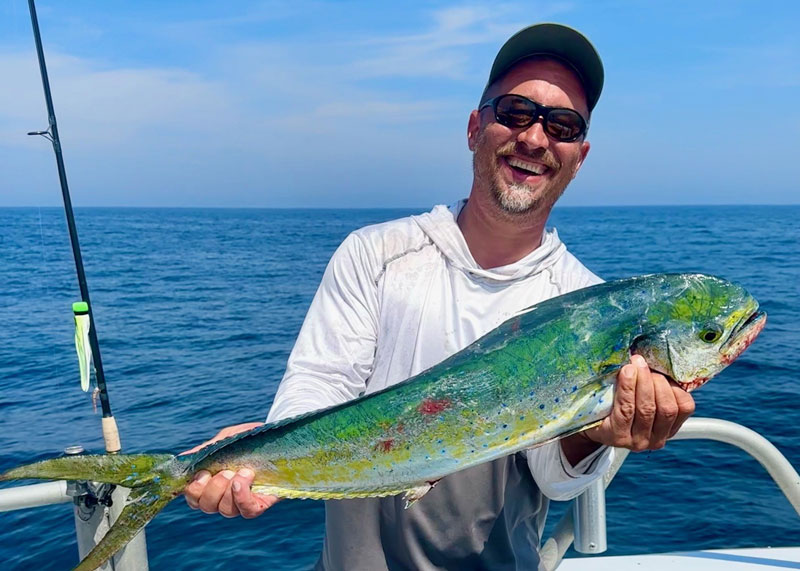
(590, 519)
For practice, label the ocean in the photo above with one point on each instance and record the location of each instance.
(197, 310)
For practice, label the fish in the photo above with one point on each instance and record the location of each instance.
(546, 372)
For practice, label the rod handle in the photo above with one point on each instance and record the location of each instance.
(111, 435)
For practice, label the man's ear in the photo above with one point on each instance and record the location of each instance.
(473, 127)
(585, 146)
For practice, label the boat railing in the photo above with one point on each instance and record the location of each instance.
(584, 524)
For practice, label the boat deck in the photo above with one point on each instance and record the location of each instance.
(760, 558)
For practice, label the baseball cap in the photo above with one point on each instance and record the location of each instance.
(555, 40)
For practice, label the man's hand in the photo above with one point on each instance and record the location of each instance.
(648, 409)
(227, 492)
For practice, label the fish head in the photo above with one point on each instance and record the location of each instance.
(699, 331)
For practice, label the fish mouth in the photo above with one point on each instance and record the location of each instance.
(693, 384)
(743, 336)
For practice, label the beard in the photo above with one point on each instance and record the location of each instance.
(518, 198)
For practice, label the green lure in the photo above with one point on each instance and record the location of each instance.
(80, 310)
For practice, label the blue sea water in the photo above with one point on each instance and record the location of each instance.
(197, 311)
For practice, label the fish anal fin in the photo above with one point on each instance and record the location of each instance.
(415, 494)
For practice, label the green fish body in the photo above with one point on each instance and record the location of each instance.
(547, 372)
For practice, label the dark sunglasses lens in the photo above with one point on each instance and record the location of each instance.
(564, 124)
(514, 111)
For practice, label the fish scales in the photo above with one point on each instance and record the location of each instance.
(544, 373)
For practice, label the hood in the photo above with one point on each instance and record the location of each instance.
(440, 226)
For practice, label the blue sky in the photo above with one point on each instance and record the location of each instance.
(364, 104)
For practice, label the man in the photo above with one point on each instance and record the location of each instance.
(399, 297)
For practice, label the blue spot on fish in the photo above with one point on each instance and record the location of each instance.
(556, 399)
(541, 407)
(575, 388)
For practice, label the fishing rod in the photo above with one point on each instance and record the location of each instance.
(110, 431)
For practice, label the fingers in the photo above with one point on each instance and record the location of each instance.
(646, 407)
(195, 488)
(228, 494)
(212, 497)
(249, 505)
(227, 506)
(618, 425)
(667, 412)
(686, 407)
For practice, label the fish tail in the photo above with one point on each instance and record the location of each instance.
(154, 479)
(141, 506)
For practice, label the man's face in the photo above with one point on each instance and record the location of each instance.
(524, 170)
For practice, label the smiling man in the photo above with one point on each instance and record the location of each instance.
(401, 296)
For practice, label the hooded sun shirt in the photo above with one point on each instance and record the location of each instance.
(396, 299)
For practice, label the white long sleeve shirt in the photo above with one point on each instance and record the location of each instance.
(395, 299)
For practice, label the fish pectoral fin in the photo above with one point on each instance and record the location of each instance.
(413, 495)
(565, 434)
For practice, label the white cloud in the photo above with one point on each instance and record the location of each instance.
(442, 50)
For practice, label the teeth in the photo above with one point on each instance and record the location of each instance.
(530, 167)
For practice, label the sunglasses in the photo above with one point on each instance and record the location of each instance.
(517, 112)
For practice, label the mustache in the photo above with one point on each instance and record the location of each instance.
(544, 156)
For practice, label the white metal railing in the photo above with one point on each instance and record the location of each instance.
(585, 524)
(33, 496)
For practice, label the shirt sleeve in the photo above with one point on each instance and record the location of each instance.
(557, 478)
(335, 349)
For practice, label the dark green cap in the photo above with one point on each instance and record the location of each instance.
(555, 40)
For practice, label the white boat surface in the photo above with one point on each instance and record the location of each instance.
(752, 559)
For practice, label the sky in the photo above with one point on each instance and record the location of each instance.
(365, 104)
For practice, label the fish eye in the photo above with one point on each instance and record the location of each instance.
(710, 334)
